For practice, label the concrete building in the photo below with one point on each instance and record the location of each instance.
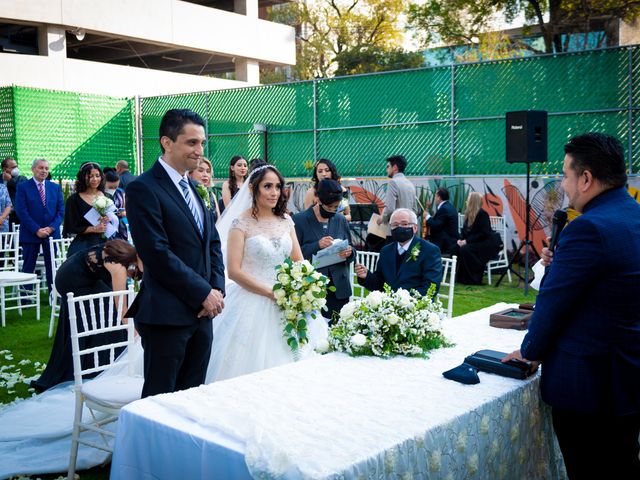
(139, 47)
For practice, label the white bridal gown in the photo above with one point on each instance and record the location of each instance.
(35, 434)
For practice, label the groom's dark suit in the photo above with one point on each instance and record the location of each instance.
(401, 271)
(181, 266)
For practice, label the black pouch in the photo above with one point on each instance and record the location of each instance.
(464, 373)
(490, 361)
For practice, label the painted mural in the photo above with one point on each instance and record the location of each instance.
(503, 197)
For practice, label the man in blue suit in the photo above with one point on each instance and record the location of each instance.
(408, 262)
(183, 279)
(40, 207)
(586, 325)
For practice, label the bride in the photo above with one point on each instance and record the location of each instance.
(247, 335)
(256, 235)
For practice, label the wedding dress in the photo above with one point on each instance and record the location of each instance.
(35, 434)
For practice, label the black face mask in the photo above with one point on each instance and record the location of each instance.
(402, 234)
(326, 213)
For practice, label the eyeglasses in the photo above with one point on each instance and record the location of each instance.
(329, 208)
(403, 225)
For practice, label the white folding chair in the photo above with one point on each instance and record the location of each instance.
(14, 291)
(369, 260)
(448, 282)
(106, 395)
(58, 253)
(498, 224)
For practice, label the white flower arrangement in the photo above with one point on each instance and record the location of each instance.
(299, 291)
(390, 323)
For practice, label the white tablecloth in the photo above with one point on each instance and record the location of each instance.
(334, 416)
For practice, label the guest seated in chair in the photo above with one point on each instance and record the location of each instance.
(98, 269)
(478, 242)
(407, 262)
(443, 226)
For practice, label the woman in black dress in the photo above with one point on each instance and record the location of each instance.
(478, 242)
(101, 268)
(316, 228)
(90, 184)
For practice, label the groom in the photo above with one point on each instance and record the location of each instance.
(183, 280)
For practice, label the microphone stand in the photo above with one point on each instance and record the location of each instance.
(526, 243)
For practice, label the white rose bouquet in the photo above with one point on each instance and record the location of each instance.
(103, 205)
(299, 291)
(390, 323)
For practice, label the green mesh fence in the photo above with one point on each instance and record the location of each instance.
(68, 129)
(447, 120)
(7, 127)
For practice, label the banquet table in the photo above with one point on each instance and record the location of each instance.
(337, 417)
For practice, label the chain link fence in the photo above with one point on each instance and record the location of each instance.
(445, 120)
(65, 128)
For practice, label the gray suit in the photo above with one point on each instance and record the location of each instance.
(401, 193)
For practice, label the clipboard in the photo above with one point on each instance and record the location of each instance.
(382, 230)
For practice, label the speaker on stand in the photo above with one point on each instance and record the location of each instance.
(526, 137)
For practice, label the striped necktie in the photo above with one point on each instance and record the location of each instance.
(187, 197)
(43, 199)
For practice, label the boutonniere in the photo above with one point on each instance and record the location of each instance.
(413, 254)
(204, 195)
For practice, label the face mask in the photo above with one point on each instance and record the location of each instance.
(326, 213)
(402, 234)
(15, 172)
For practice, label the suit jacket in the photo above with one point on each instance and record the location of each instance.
(125, 179)
(586, 324)
(33, 216)
(418, 274)
(401, 193)
(443, 227)
(309, 231)
(180, 265)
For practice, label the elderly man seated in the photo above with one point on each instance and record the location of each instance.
(408, 262)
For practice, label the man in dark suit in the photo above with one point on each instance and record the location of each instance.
(586, 325)
(316, 228)
(122, 167)
(183, 280)
(40, 206)
(408, 262)
(443, 226)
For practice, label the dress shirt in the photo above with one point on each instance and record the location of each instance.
(175, 178)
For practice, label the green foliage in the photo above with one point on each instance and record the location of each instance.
(368, 59)
(330, 28)
(459, 22)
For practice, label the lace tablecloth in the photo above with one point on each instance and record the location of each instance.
(334, 416)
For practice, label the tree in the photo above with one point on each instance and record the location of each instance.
(467, 21)
(329, 29)
(373, 59)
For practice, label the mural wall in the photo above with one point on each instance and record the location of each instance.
(503, 196)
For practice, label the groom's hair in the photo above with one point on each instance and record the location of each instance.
(254, 183)
(174, 120)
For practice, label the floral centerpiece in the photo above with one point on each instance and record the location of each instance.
(299, 291)
(390, 323)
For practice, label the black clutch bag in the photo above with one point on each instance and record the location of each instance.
(489, 361)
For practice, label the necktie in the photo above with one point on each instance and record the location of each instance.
(42, 197)
(187, 197)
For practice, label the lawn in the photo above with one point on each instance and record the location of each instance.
(25, 347)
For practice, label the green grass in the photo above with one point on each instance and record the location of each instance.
(26, 339)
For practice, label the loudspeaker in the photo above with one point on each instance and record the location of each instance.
(526, 136)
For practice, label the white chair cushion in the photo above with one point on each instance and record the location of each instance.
(7, 277)
(113, 392)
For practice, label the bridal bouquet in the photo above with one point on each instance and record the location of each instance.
(390, 323)
(300, 291)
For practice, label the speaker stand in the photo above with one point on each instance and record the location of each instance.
(526, 243)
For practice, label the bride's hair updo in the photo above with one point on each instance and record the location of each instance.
(255, 179)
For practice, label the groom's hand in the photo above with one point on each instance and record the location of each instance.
(213, 304)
